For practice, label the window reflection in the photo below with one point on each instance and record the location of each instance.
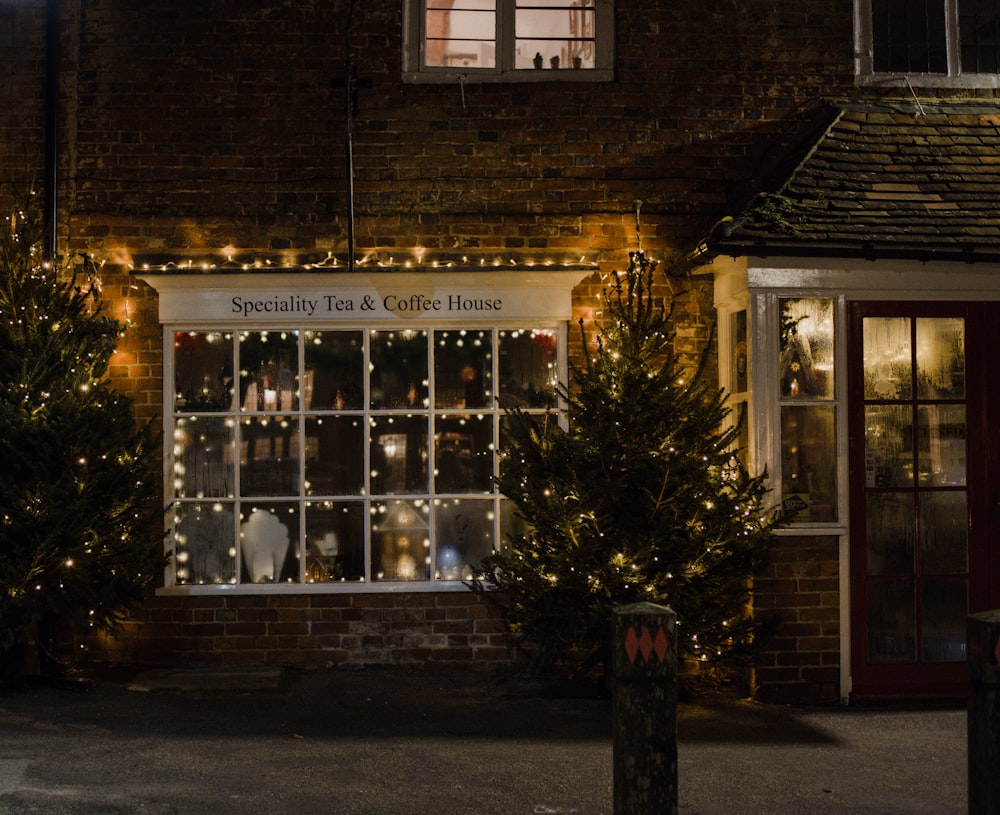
(400, 540)
(398, 369)
(269, 455)
(463, 369)
(528, 369)
(204, 551)
(888, 358)
(464, 536)
(808, 469)
(463, 454)
(398, 455)
(269, 534)
(940, 358)
(334, 370)
(203, 371)
(335, 455)
(203, 457)
(335, 535)
(806, 361)
(269, 370)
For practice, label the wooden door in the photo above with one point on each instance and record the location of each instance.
(924, 491)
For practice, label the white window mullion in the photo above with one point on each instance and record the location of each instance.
(506, 20)
(952, 37)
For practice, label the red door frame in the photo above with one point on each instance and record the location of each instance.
(943, 679)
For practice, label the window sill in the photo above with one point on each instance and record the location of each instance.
(520, 76)
(927, 81)
(250, 589)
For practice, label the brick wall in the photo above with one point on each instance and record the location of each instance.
(22, 100)
(200, 130)
(801, 591)
(448, 629)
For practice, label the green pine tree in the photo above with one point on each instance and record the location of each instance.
(80, 527)
(641, 499)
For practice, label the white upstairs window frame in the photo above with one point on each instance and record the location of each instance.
(507, 65)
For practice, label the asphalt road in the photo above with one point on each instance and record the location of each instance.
(396, 741)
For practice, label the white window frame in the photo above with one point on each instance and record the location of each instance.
(415, 71)
(864, 55)
(518, 299)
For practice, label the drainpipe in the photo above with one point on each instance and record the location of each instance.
(351, 81)
(51, 160)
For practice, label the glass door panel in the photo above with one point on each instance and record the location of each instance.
(915, 498)
(921, 503)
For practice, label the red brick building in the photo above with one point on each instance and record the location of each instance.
(338, 231)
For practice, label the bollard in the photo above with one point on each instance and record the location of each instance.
(644, 659)
(984, 713)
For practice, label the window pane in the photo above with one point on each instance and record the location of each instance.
(554, 34)
(203, 457)
(335, 532)
(203, 371)
(944, 607)
(979, 31)
(512, 524)
(463, 454)
(401, 541)
(888, 362)
(806, 361)
(398, 369)
(204, 549)
(528, 369)
(334, 370)
(269, 370)
(269, 456)
(940, 358)
(944, 532)
(889, 446)
(269, 536)
(460, 34)
(464, 530)
(463, 369)
(808, 463)
(335, 455)
(739, 359)
(556, 23)
(891, 621)
(941, 432)
(908, 36)
(889, 519)
(399, 455)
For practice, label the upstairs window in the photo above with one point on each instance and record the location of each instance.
(935, 42)
(507, 40)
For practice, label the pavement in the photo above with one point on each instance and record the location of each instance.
(397, 741)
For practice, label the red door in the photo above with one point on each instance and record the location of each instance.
(924, 508)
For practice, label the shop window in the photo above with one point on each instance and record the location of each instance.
(345, 457)
(808, 413)
(930, 39)
(520, 40)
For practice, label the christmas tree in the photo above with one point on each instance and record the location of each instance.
(642, 499)
(80, 527)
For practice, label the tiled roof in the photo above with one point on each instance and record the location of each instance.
(902, 179)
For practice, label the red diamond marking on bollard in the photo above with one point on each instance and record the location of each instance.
(631, 644)
(646, 644)
(661, 644)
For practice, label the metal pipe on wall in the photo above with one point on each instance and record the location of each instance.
(51, 160)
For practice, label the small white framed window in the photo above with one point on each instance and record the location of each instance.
(508, 40)
(930, 43)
